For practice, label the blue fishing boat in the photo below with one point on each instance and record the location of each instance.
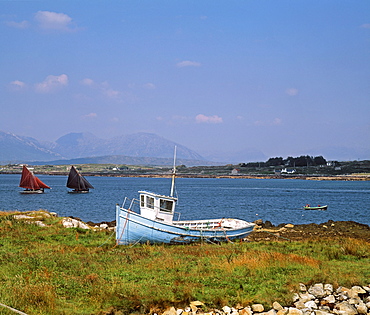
(150, 219)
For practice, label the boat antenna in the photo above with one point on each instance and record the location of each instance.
(173, 174)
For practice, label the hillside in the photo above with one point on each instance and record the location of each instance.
(138, 148)
(16, 148)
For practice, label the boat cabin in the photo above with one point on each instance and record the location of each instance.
(157, 207)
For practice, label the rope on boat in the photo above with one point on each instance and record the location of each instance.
(226, 237)
(138, 241)
(124, 226)
(107, 239)
(12, 309)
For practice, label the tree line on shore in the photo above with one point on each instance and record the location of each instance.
(303, 160)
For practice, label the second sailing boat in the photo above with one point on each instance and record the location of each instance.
(77, 182)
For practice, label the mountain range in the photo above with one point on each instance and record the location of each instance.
(139, 148)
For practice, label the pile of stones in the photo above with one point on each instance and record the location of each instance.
(319, 299)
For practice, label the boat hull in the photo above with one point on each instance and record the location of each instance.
(316, 208)
(78, 191)
(29, 192)
(133, 228)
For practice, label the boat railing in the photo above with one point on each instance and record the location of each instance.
(131, 204)
(203, 224)
(178, 214)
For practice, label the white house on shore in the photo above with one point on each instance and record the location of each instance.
(288, 171)
(235, 171)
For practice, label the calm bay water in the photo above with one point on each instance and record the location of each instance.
(275, 200)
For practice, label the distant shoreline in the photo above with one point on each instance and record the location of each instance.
(303, 177)
(355, 177)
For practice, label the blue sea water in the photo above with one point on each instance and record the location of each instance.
(275, 200)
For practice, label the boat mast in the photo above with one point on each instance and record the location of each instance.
(173, 174)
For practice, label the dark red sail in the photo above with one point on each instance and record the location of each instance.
(30, 181)
(40, 183)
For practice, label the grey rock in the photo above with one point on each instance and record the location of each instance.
(258, 308)
(328, 288)
(246, 311)
(346, 308)
(358, 289)
(171, 311)
(319, 299)
(361, 308)
(73, 223)
(300, 304)
(294, 311)
(354, 301)
(305, 297)
(276, 306)
(330, 299)
(311, 305)
(302, 287)
(317, 290)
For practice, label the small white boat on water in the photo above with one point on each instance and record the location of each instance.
(151, 219)
(308, 207)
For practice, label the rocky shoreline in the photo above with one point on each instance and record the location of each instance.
(318, 299)
(265, 231)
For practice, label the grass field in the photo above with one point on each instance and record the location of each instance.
(55, 270)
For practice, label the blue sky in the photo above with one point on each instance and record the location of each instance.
(238, 80)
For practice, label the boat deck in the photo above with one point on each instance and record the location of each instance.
(212, 224)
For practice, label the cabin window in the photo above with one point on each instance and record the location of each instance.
(150, 202)
(142, 203)
(166, 205)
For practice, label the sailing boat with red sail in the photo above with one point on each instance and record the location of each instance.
(77, 182)
(31, 183)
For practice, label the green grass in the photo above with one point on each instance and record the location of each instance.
(54, 270)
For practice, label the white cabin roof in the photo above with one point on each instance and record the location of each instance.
(144, 192)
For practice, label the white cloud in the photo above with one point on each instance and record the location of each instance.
(20, 25)
(104, 88)
(291, 91)
(208, 119)
(87, 82)
(54, 21)
(108, 91)
(149, 86)
(275, 122)
(52, 83)
(366, 25)
(90, 116)
(111, 93)
(188, 63)
(17, 85)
